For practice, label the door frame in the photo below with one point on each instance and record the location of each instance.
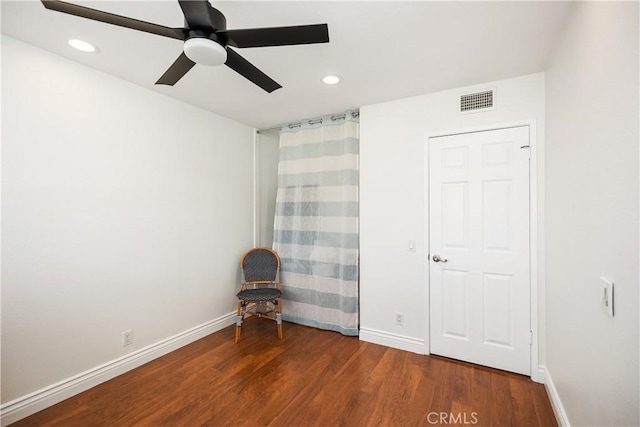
(536, 280)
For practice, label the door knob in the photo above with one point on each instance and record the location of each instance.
(436, 258)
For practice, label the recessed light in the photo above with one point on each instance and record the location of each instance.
(332, 80)
(82, 45)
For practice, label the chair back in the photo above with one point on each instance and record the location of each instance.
(260, 265)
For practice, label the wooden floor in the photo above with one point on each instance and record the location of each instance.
(310, 378)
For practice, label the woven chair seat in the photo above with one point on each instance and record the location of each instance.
(260, 294)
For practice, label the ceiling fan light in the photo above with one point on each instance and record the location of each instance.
(205, 51)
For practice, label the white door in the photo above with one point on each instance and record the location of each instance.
(479, 248)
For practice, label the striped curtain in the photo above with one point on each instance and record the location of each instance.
(316, 222)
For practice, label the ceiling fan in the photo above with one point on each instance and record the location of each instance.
(206, 38)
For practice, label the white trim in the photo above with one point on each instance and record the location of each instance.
(256, 189)
(536, 280)
(31, 403)
(483, 128)
(401, 342)
(425, 238)
(554, 398)
(539, 375)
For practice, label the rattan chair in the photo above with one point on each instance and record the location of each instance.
(260, 294)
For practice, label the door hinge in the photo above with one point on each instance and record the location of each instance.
(530, 337)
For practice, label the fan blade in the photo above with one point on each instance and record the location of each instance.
(277, 36)
(178, 69)
(110, 18)
(243, 67)
(201, 16)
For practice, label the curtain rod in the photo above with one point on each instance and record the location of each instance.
(267, 129)
(333, 117)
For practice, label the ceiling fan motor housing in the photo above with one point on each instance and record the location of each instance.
(202, 45)
(221, 39)
(214, 19)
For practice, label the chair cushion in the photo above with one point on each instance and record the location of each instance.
(261, 294)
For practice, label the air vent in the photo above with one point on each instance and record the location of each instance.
(476, 101)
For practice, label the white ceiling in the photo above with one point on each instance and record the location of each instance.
(384, 50)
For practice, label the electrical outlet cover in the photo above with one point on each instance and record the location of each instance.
(399, 318)
(127, 338)
(606, 295)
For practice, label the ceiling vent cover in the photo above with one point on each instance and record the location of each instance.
(476, 101)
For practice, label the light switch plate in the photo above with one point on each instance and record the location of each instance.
(606, 295)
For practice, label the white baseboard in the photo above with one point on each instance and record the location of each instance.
(556, 403)
(388, 339)
(416, 345)
(31, 403)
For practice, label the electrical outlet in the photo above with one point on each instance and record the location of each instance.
(399, 318)
(127, 338)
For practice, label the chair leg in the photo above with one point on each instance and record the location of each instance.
(279, 319)
(239, 321)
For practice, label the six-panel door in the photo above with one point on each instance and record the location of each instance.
(479, 231)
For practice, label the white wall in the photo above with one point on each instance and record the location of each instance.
(592, 213)
(392, 205)
(121, 209)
